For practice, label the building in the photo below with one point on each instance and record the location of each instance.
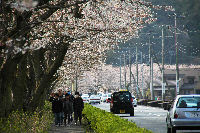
(189, 82)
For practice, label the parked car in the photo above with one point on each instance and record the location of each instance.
(184, 113)
(108, 99)
(94, 99)
(85, 98)
(104, 97)
(121, 103)
(100, 94)
(134, 101)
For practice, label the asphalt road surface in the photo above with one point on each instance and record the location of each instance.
(151, 118)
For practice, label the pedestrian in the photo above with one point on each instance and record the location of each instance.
(57, 108)
(60, 93)
(78, 107)
(67, 108)
(52, 95)
(72, 100)
(71, 96)
(61, 97)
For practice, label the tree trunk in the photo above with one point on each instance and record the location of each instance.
(7, 76)
(42, 89)
(20, 85)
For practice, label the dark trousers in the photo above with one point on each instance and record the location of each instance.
(57, 118)
(78, 114)
(62, 117)
(67, 116)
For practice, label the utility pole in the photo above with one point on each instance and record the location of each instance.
(76, 78)
(142, 75)
(120, 71)
(142, 81)
(130, 68)
(149, 56)
(137, 70)
(124, 70)
(76, 82)
(177, 67)
(151, 71)
(152, 89)
(163, 87)
(141, 57)
(150, 65)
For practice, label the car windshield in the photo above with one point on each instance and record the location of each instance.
(105, 95)
(122, 96)
(188, 102)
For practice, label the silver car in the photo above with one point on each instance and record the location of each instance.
(184, 113)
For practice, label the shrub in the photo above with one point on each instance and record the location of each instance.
(106, 122)
(26, 122)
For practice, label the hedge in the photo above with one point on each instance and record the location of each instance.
(105, 122)
(27, 122)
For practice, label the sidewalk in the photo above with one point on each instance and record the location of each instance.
(67, 129)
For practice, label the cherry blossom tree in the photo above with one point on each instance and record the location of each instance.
(47, 40)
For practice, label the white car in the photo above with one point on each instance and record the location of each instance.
(100, 94)
(134, 101)
(94, 99)
(108, 99)
(104, 97)
(85, 98)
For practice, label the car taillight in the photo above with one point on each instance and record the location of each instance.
(111, 100)
(175, 115)
(131, 99)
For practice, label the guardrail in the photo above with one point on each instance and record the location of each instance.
(161, 104)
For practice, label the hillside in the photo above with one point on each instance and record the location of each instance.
(188, 37)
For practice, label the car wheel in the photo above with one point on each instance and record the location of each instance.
(168, 130)
(132, 114)
(112, 110)
(173, 130)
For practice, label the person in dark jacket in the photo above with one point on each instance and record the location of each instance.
(57, 108)
(72, 100)
(78, 107)
(67, 108)
(52, 97)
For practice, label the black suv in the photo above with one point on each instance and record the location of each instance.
(121, 103)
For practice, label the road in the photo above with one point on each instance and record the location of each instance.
(151, 118)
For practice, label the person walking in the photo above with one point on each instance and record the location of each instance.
(67, 108)
(61, 97)
(52, 97)
(72, 100)
(78, 107)
(57, 108)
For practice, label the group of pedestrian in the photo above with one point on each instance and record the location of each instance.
(65, 105)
